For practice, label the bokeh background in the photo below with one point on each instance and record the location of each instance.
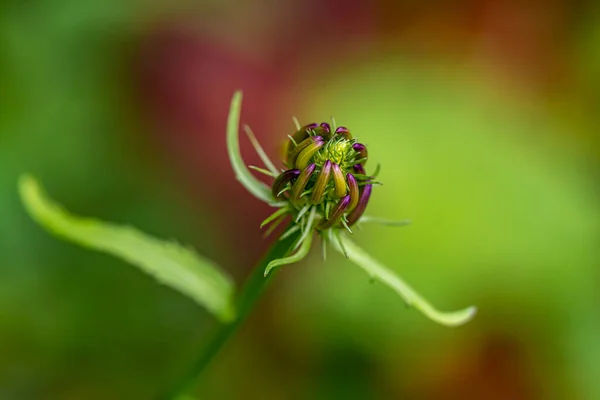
(484, 115)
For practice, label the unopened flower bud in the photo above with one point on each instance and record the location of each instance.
(321, 183)
(300, 184)
(295, 153)
(300, 135)
(359, 169)
(365, 194)
(361, 149)
(283, 179)
(336, 214)
(339, 181)
(354, 191)
(323, 130)
(343, 131)
(316, 142)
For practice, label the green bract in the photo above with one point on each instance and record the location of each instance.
(324, 189)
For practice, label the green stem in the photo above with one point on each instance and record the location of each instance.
(252, 290)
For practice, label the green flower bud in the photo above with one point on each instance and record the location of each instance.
(354, 191)
(321, 183)
(339, 181)
(300, 184)
(282, 180)
(336, 214)
(316, 142)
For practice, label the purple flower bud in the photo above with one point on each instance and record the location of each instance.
(282, 180)
(365, 194)
(343, 131)
(339, 181)
(336, 214)
(301, 134)
(321, 183)
(361, 149)
(354, 191)
(300, 184)
(359, 169)
(316, 142)
(323, 130)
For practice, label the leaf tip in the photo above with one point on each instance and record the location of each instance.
(460, 317)
(27, 185)
(269, 267)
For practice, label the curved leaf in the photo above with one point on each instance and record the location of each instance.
(242, 173)
(381, 273)
(170, 263)
(294, 258)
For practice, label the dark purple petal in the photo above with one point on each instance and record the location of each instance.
(300, 184)
(282, 180)
(361, 149)
(354, 191)
(325, 126)
(323, 130)
(336, 214)
(343, 131)
(365, 194)
(359, 169)
(321, 183)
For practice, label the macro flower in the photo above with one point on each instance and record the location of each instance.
(323, 189)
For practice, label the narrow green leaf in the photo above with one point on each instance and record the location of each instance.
(294, 258)
(308, 228)
(261, 152)
(170, 263)
(412, 298)
(242, 173)
(262, 171)
(296, 123)
(383, 221)
(271, 217)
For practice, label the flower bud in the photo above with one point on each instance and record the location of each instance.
(354, 191)
(323, 130)
(316, 142)
(359, 169)
(301, 135)
(361, 174)
(283, 179)
(293, 155)
(343, 131)
(336, 214)
(300, 184)
(365, 194)
(339, 181)
(321, 183)
(361, 149)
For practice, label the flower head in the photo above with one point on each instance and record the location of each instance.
(322, 168)
(324, 189)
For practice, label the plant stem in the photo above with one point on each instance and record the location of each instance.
(251, 291)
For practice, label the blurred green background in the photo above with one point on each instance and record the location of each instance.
(484, 116)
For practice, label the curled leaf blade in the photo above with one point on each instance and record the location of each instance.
(381, 273)
(294, 258)
(170, 263)
(257, 188)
